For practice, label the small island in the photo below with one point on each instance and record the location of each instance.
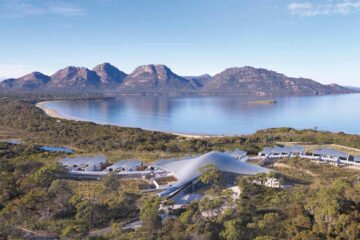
(263, 102)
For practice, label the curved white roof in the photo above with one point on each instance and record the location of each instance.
(188, 170)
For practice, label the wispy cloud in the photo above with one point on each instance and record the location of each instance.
(62, 8)
(23, 8)
(311, 9)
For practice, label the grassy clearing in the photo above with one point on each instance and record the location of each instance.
(96, 190)
(314, 173)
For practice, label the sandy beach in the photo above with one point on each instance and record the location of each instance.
(51, 112)
(195, 136)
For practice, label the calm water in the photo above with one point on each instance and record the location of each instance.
(219, 115)
(56, 149)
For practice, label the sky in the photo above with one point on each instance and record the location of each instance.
(318, 39)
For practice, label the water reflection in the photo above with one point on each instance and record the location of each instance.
(229, 115)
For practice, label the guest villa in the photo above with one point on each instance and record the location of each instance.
(182, 176)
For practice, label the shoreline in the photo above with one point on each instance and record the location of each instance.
(52, 112)
(55, 114)
(198, 136)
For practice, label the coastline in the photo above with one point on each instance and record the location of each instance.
(52, 112)
(56, 109)
(197, 136)
(55, 114)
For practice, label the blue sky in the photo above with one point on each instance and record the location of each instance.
(315, 39)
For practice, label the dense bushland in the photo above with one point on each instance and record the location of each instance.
(35, 195)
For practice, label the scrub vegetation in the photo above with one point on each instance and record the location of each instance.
(324, 202)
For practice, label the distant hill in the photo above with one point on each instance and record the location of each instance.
(357, 89)
(30, 82)
(159, 79)
(249, 80)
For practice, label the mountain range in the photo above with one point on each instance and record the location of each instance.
(159, 79)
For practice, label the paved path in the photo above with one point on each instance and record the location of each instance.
(133, 225)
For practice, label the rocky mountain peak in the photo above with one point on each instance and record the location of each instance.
(155, 78)
(258, 81)
(159, 71)
(247, 68)
(72, 72)
(29, 82)
(109, 74)
(105, 67)
(34, 77)
(75, 79)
